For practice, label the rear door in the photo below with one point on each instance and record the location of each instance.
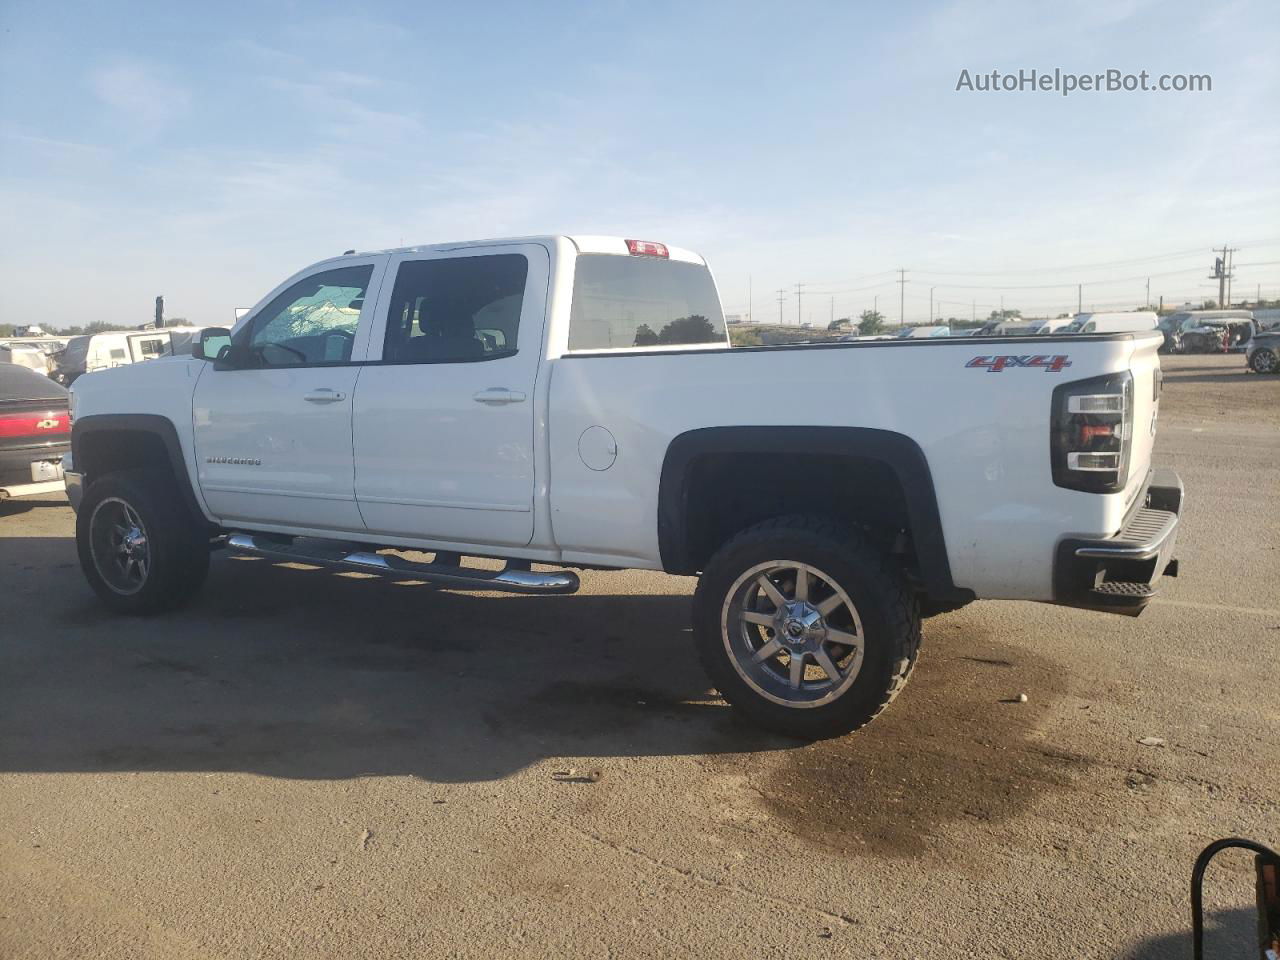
(273, 443)
(444, 413)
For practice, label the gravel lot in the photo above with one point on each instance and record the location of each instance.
(310, 764)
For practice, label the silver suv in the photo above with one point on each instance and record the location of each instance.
(1262, 352)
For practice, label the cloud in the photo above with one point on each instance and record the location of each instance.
(54, 146)
(143, 94)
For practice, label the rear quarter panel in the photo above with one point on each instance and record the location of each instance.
(985, 435)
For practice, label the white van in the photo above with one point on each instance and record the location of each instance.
(922, 332)
(1051, 326)
(1015, 327)
(1134, 321)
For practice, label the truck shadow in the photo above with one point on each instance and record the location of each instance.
(306, 674)
(1227, 933)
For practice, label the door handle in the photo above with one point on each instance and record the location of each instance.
(497, 396)
(324, 395)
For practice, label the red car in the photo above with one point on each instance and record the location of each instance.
(35, 432)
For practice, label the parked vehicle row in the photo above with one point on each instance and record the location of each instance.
(33, 352)
(1208, 331)
(102, 351)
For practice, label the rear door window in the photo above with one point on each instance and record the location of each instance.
(456, 309)
(623, 302)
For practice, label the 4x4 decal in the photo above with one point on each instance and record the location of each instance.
(1047, 363)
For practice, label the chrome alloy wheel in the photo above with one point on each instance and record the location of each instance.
(792, 633)
(118, 543)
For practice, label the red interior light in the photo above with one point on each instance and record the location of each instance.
(1090, 430)
(646, 248)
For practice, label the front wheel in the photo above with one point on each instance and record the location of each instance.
(1264, 361)
(139, 548)
(805, 627)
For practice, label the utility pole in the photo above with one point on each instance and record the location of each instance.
(749, 298)
(931, 289)
(1231, 258)
(782, 298)
(1222, 273)
(1147, 302)
(902, 297)
(799, 288)
(1079, 298)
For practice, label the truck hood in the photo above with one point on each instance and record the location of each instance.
(150, 386)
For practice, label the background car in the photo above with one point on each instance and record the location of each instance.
(1262, 353)
(35, 431)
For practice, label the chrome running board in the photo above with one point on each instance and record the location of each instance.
(516, 577)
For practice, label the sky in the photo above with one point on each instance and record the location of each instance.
(206, 152)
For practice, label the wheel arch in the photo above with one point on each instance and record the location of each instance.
(886, 455)
(103, 443)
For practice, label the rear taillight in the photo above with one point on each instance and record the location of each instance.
(1092, 433)
(34, 425)
(646, 248)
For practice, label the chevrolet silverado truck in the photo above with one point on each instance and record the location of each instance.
(574, 402)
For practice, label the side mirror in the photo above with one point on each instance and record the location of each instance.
(212, 341)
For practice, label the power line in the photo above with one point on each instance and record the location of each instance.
(1064, 286)
(1154, 258)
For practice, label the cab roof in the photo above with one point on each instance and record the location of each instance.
(584, 243)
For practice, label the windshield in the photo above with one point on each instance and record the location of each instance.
(75, 354)
(642, 302)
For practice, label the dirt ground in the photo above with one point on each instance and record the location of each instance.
(320, 765)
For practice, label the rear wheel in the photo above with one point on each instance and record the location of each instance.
(1264, 361)
(139, 548)
(805, 627)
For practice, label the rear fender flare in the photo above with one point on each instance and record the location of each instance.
(898, 452)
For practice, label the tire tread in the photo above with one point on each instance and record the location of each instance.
(901, 605)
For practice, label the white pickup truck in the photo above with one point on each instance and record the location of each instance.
(574, 402)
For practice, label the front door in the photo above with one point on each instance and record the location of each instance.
(273, 437)
(444, 414)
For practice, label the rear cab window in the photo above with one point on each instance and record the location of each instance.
(622, 302)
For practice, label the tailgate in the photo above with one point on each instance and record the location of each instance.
(29, 424)
(1144, 365)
